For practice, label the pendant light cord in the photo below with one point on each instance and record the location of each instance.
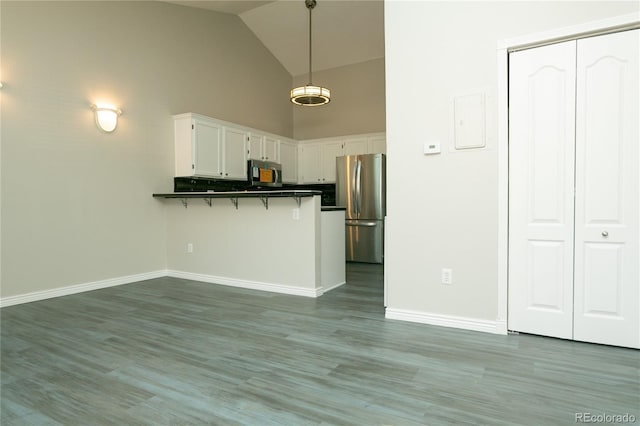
(310, 7)
(310, 95)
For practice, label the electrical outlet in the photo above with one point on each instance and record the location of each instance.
(295, 214)
(189, 247)
(447, 276)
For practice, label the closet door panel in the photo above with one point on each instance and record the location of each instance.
(607, 279)
(541, 175)
(603, 264)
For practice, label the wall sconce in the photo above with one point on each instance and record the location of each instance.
(106, 117)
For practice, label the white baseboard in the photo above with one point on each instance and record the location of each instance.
(326, 289)
(501, 326)
(495, 327)
(96, 285)
(254, 285)
(79, 288)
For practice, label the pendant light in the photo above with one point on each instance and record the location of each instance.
(310, 95)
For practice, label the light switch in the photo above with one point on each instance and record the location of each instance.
(432, 148)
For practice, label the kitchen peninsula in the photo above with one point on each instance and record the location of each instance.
(280, 241)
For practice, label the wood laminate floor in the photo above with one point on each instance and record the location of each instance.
(170, 351)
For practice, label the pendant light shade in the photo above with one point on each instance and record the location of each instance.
(310, 95)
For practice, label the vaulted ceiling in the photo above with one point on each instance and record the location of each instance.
(345, 32)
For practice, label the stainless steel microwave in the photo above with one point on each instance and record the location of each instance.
(264, 173)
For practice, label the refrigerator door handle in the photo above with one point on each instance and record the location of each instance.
(358, 186)
(353, 204)
(367, 224)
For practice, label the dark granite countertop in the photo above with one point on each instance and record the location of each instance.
(240, 194)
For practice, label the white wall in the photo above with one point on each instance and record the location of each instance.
(443, 209)
(247, 244)
(357, 102)
(76, 203)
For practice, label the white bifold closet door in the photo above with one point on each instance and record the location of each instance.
(574, 189)
(541, 176)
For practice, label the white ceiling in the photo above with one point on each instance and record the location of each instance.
(345, 32)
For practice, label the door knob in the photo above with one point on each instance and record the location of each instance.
(605, 234)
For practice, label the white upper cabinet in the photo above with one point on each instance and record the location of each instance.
(208, 147)
(198, 146)
(205, 147)
(311, 163)
(365, 144)
(318, 156)
(270, 149)
(354, 146)
(330, 151)
(289, 161)
(255, 146)
(318, 161)
(235, 153)
(264, 147)
(377, 144)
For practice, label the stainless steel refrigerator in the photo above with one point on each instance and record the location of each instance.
(361, 188)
